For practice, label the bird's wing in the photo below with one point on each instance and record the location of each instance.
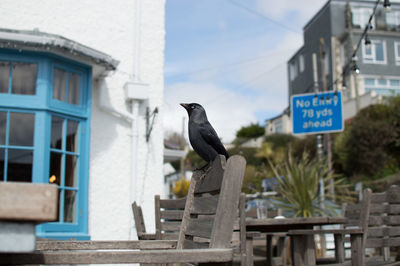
(210, 136)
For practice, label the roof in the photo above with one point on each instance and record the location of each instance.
(41, 41)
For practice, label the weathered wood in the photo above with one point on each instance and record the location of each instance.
(212, 178)
(205, 205)
(357, 249)
(108, 257)
(28, 202)
(200, 227)
(172, 215)
(173, 203)
(157, 215)
(94, 245)
(358, 235)
(139, 223)
(170, 226)
(228, 203)
(155, 251)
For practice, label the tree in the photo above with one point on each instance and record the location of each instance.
(364, 148)
(250, 131)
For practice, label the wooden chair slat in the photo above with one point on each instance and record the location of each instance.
(213, 178)
(382, 242)
(190, 244)
(205, 205)
(173, 203)
(171, 215)
(200, 227)
(383, 231)
(170, 226)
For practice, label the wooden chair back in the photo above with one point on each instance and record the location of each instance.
(212, 205)
(358, 213)
(168, 215)
(139, 220)
(384, 222)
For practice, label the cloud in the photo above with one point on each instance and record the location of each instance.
(227, 111)
(279, 9)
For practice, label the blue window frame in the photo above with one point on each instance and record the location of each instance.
(45, 104)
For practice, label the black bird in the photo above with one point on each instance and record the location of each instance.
(202, 135)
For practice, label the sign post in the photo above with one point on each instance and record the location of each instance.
(316, 113)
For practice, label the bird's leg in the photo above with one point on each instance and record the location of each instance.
(206, 168)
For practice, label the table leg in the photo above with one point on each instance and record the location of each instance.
(303, 250)
(269, 249)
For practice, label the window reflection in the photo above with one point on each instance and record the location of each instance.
(70, 206)
(56, 132)
(71, 171)
(72, 135)
(59, 80)
(74, 88)
(3, 127)
(4, 76)
(24, 78)
(2, 164)
(21, 129)
(55, 168)
(19, 167)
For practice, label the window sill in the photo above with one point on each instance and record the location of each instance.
(64, 236)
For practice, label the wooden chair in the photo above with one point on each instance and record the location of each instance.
(139, 223)
(384, 227)
(169, 215)
(302, 241)
(204, 237)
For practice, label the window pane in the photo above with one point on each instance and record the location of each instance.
(19, 165)
(368, 50)
(55, 168)
(21, 129)
(3, 126)
(382, 82)
(2, 164)
(56, 132)
(369, 82)
(4, 76)
(71, 171)
(24, 78)
(398, 49)
(395, 82)
(59, 80)
(74, 88)
(379, 52)
(72, 136)
(70, 206)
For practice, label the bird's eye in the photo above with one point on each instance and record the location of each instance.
(192, 106)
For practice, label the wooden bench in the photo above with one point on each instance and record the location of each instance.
(204, 237)
(302, 241)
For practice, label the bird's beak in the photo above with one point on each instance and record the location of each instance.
(185, 105)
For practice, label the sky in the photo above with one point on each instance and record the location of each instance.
(230, 56)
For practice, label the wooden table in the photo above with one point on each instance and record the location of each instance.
(22, 207)
(283, 225)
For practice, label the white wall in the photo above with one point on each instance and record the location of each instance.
(109, 26)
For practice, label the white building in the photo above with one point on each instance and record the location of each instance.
(77, 79)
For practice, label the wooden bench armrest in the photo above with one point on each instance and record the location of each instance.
(111, 257)
(326, 231)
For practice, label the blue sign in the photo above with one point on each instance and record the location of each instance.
(317, 113)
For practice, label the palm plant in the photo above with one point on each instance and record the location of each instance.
(299, 186)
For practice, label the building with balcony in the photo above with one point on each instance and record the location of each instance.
(325, 61)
